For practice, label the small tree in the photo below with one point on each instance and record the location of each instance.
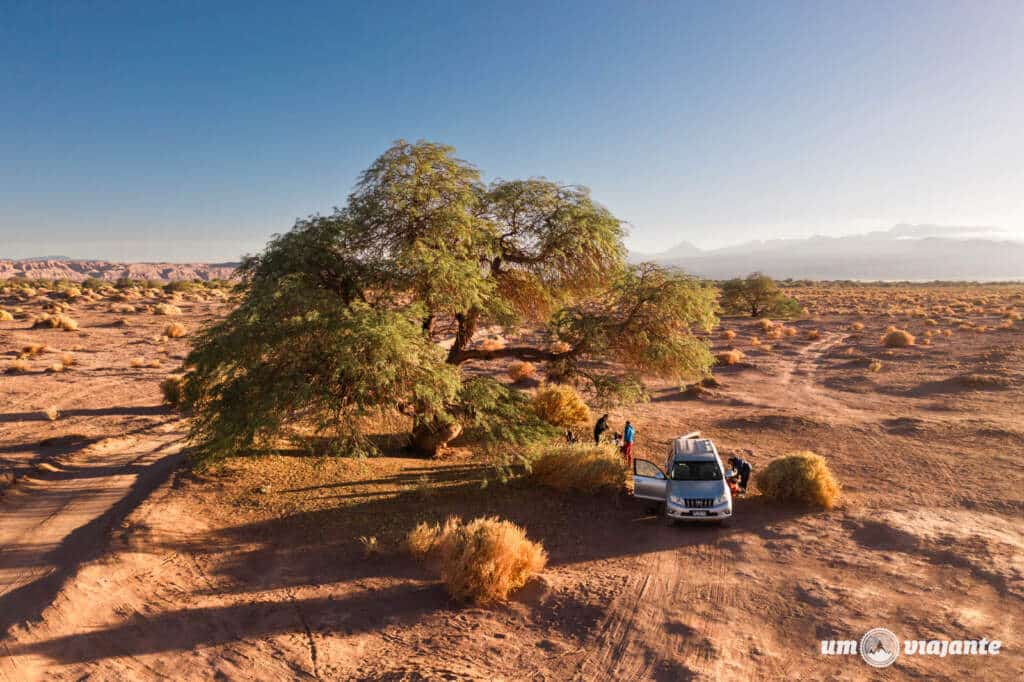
(345, 314)
(757, 295)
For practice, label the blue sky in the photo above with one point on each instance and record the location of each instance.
(193, 131)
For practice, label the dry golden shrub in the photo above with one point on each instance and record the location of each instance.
(729, 357)
(765, 324)
(166, 309)
(155, 362)
(55, 368)
(560, 405)
(560, 347)
(51, 413)
(875, 366)
(789, 331)
(521, 370)
(898, 338)
(5, 316)
(175, 330)
(137, 362)
(775, 334)
(32, 348)
(67, 359)
(728, 335)
(947, 332)
(492, 343)
(487, 559)
(814, 335)
(172, 388)
(802, 477)
(17, 367)
(424, 540)
(55, 321)
(122, 308)
(581, 468)
(931, 322)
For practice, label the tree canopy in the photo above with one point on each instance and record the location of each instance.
(378, 305)
(756, 295)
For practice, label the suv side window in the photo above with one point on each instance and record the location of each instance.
(644, 468)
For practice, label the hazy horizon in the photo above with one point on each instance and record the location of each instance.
(191, 133)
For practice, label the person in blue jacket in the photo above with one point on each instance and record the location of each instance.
(628, 436)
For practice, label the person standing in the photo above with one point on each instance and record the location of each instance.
(599, 428)
(628, 435)
(742, 468)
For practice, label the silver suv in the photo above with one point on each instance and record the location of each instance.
(692, 485)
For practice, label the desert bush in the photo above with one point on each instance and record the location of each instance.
(789, 331)
(875, 366)
(166, 309)
(51, 413)
(67, 359)
(728, 335)
(122, 308)
(172, 389)
(560, 405)
(55, 368)
(424, 540)
(730, 357)
(813, 335)
(560, 347)
(17, 367)
(137, 362)
(857, 326)
(802, 478)
(175, 330)
(485, 560)
(5, 316)
(32, 348)
(898, 338)
(492, 344)
(519, 371)
(54, 321)
(581, 468)
(765, 324)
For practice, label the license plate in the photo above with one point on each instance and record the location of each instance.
(698, 513)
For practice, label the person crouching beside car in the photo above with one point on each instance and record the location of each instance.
(742, 468)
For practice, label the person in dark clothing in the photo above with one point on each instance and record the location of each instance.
(599, 428)
(742, 468)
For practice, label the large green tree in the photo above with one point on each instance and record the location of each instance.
(757, 295)
(378, 305)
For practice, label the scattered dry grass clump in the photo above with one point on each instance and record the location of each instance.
(5, 316)
(32, 348)
(172, 389)
(520, 371)
(122, 308)
(67, 359)
(581, 468)
(802, 477)
(560, 405)
(789, 331)
(728, 335)
(175, 330)
(875, 366)
(982, 381)
(560, 347)
(55, 368)
(730, 357)
(492, 343)
(166, 309)
(137, 362)
(857, 326)
(51, 413)
(765, 324)
(17, 367)
(54, 321)
(482, 561)
(898, 338)
(813, 335)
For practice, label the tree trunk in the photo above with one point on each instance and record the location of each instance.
(463, 335)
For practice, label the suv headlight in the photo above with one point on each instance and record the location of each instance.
(675, 499)
(721, 499)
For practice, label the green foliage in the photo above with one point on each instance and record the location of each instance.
(756, 295)
(293, 356)
(337, 317)
(645, 323)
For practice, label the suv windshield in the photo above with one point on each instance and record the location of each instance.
(702, 470)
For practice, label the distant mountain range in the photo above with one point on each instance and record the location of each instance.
(78, 270)
(904, 252)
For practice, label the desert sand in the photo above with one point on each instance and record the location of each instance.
(118, 563)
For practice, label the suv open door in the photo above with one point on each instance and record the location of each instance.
(649, 481)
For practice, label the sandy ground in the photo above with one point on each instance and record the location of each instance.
(115, 563)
